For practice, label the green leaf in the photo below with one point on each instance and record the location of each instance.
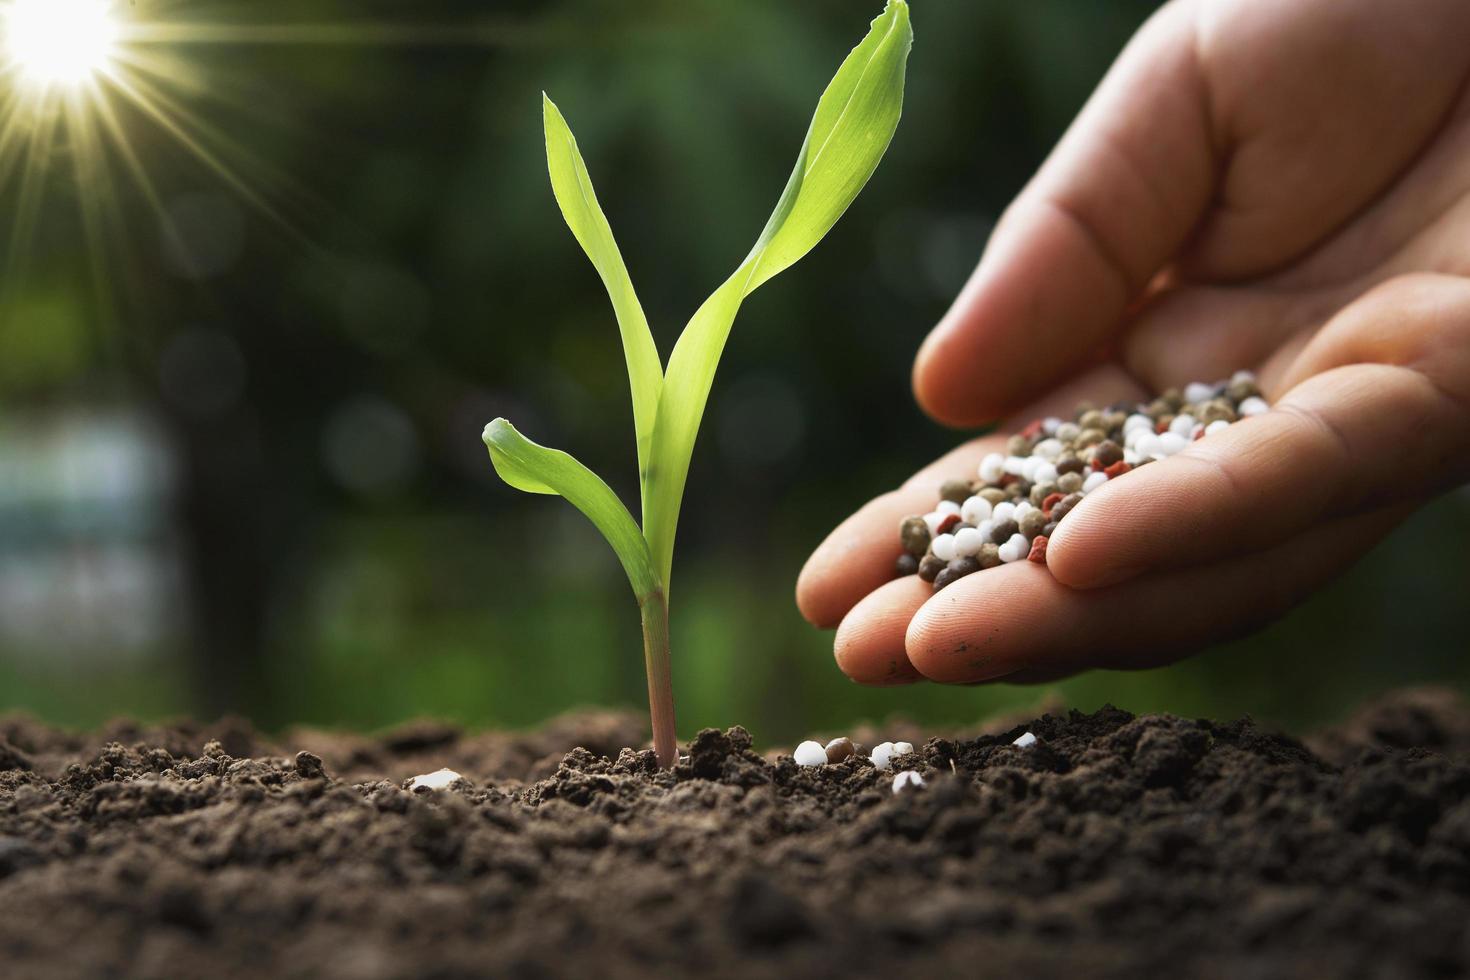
(853, 125)
(536, 469)
(573, 188)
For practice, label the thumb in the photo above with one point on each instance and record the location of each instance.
(1115, 201)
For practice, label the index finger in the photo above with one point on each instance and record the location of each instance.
(1112, 205)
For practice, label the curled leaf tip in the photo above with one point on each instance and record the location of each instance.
(494, 429)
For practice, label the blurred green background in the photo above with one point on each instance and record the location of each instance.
(240, 467)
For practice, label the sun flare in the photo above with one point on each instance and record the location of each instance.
(90, 86)
(58, 43)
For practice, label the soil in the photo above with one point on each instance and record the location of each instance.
(1117, 846)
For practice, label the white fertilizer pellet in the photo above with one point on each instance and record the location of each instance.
(1025, 741)
(908, 779)
(1137, 423)
(975, 510)
(967, 542)
(882, 755)
(1171, 443)
(943, 547)
(441, 779)
(1049, 449)
(1016, 548)
(810, 754)
(1254, 406)
(1197, 392)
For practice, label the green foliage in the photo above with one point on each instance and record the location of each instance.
(573, 187)
(536, 469)
(852, 127)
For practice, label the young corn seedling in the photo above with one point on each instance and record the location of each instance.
(852, 127)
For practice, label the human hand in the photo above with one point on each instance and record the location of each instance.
(1284, 187)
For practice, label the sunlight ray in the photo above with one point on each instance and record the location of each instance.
(386, 34)
(90, 168)
(107, 115)
(28, 200)
(156, 106)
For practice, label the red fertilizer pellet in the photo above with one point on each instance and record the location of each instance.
(949, 521)
(1117, 469)
(1051, 501)
(1032, 430)
(1038, 550)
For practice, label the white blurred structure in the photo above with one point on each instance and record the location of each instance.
(89, 566)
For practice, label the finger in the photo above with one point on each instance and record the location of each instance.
(869, 645)
(1199, 333)
(1354, 437)
(1117, 198)
(1420, 322)
(1271, 374)
(1322, 105)
(859, 555)
(1102, 385)
(1388, 237)
(1016, 621)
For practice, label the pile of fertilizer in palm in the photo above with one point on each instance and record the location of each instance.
(1009, 511)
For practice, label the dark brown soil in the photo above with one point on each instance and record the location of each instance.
(1115, 847)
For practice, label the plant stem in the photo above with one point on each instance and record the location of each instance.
(655, 610)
